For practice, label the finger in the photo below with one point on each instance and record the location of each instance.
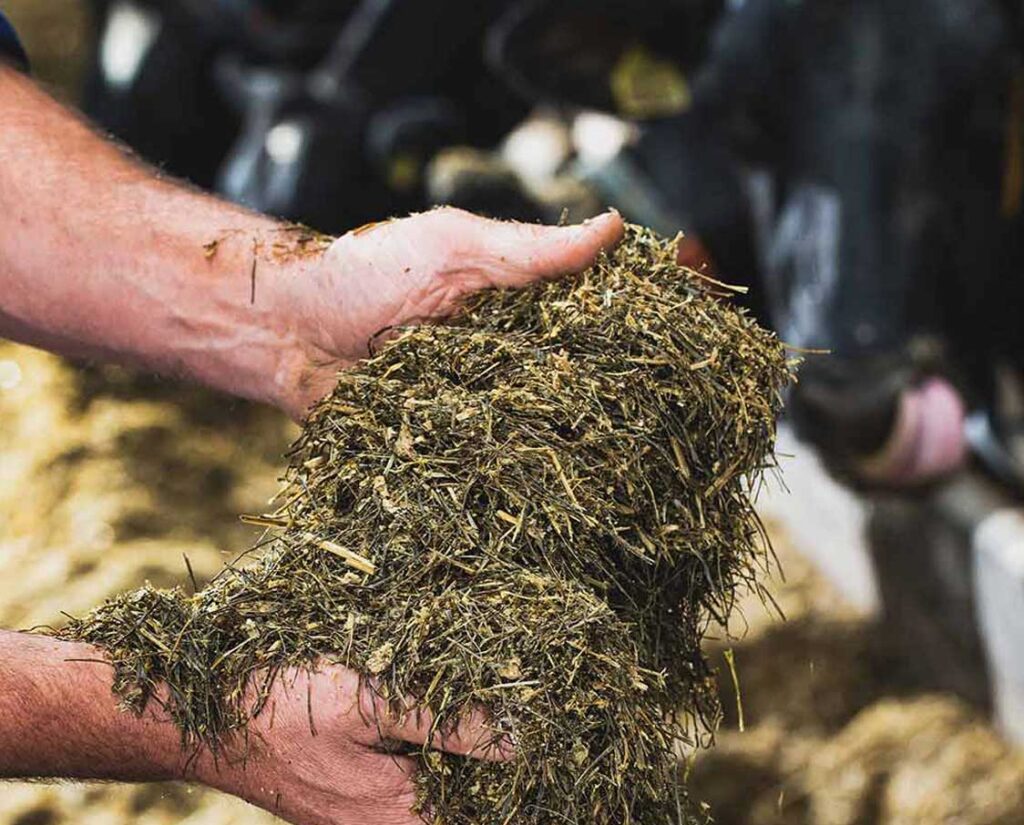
(529, 252)
(476, 735)
(693, 254)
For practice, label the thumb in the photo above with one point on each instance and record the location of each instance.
(530, 252)
(475, 735)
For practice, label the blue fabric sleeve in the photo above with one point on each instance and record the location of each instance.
(10, 46)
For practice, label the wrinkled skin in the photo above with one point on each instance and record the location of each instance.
(318, 753)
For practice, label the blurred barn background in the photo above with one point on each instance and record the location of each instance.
(107, 479)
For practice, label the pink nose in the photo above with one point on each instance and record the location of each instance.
(927, 441)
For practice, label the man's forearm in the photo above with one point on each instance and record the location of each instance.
(59, 719)
(101, 258)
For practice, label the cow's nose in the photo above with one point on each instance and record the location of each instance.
(876, 421)
(927, 440)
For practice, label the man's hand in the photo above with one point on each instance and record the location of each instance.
(101, 258)
(414, 270)
(59, 719)
(318, 754)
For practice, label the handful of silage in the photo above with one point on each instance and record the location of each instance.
(536, 508)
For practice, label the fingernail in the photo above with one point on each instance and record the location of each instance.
(590, 224)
